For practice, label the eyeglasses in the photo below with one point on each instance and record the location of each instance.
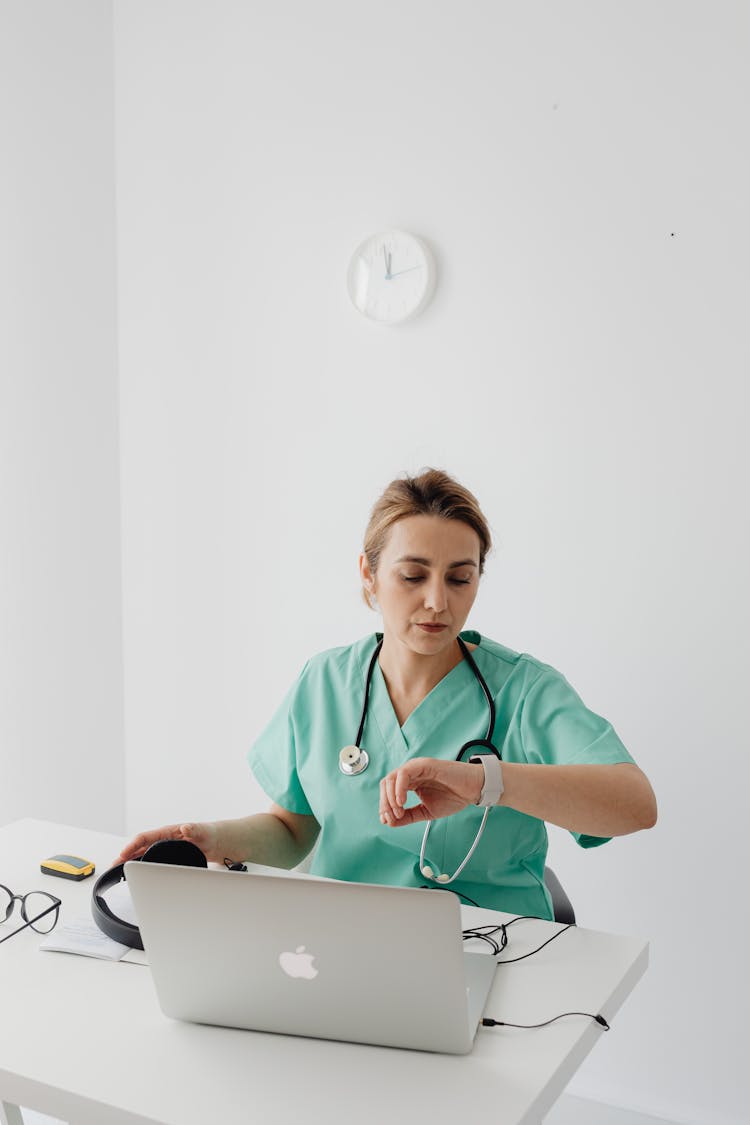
(38, 910)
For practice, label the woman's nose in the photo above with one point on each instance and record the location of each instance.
(435, 597)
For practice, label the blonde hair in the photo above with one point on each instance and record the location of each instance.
(432, 493)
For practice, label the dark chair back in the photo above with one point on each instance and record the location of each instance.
(561, 904)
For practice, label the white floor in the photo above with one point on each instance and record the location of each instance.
(568, 1111)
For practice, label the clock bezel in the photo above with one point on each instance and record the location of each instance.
(429, 263)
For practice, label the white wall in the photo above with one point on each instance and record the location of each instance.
(61, 740)
(581, 173)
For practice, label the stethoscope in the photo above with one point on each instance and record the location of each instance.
(354, 760)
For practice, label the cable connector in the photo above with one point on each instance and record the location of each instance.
(234, 866)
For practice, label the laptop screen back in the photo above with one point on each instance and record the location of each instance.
(304, 956)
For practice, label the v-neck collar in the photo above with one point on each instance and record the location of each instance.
(406, 740)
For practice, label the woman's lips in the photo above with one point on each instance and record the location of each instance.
(431, 628)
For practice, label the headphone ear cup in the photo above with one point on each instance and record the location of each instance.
(180, 852)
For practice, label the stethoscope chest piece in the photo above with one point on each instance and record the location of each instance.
(353, 760)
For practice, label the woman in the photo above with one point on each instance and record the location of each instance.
(430, 690)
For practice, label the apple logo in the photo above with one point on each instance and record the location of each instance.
(298, 964)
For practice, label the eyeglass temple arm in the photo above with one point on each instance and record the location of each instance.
(55, 906)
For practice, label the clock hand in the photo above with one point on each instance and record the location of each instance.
(399, 272)
(387, 259)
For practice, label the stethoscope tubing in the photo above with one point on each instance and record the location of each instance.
(485, 742)
(443, 880)
(368, 681)
(487, 695)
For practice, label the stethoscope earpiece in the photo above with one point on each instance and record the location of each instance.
(430, 874)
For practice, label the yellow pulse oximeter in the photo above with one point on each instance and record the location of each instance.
(68, 867)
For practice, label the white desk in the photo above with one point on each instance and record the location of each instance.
(85, 1040)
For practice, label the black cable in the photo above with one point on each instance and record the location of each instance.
(512, 960)
(486, 933)
(487, 1022)
(425, 887)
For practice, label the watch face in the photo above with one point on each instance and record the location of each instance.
(391, 277)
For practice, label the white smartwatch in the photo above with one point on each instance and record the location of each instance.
(493, 787)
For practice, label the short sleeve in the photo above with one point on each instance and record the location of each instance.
(558, 729)
(273, 756)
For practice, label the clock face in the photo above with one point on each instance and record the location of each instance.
(391, 277)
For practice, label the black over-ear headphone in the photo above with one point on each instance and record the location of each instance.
(180, 852)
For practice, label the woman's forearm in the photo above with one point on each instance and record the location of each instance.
(596, 800)
(267, 838)
(278, 838)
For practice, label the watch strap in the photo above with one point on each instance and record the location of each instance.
(493, 787)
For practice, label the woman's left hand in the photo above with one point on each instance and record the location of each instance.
(443, 788)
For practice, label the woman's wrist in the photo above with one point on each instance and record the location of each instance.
(474, 782)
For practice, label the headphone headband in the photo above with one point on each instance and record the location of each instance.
(179, 852)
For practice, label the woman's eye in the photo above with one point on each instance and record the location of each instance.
(420, 578)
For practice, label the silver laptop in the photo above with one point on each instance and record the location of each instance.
(306, 956)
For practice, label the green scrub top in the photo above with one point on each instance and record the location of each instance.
(539, 719)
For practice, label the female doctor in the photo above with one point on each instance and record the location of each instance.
(426, 755)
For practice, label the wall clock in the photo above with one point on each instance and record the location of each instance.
(391, 277)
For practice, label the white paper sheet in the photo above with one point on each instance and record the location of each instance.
(82, 935)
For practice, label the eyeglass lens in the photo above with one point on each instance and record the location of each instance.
(6, 904)
(33, 904)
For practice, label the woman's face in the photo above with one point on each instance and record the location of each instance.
(426, 581)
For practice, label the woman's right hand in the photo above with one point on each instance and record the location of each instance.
(204, 836)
